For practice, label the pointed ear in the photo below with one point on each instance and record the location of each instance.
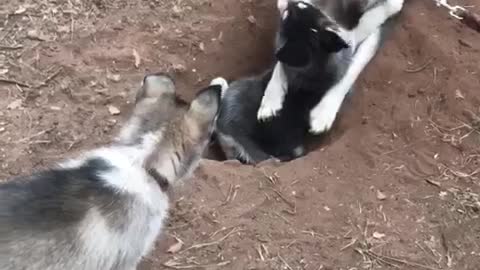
(155, 85)
(294, 53)
(331, 41)
(204, 108)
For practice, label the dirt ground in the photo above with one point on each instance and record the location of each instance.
(394, 185)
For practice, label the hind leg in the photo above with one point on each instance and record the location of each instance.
(242, 148)
(296, 152)
(377, 13)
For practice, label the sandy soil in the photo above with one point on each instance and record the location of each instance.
(394, 185)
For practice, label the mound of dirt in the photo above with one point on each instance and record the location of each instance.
(393, 186)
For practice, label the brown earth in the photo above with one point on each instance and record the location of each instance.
(393, 186)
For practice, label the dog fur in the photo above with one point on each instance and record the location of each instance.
(104, 209)
(319, 60)
(360, 24)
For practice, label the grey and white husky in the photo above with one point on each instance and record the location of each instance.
(322, 47)
(104, 209)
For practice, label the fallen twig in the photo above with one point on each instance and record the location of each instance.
(284, 262)
(197, 246)
(385, 259)
(34, 135)
(11, 81)
(49, 78)
(420, 68)
(175, 265)
(3, 47)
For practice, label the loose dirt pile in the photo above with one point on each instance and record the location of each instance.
(394, 186)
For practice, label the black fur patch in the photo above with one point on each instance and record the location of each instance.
(56, 198)
(302, 38)
(160, 179)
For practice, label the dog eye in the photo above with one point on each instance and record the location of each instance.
(314, 30)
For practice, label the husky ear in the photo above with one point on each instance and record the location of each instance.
(155, 85)
(294, 53)
(204, 108)
(331, 41)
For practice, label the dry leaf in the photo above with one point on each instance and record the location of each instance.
(20, 10)
(2, 129)
(459, 95)
(378, 235)
(179, 68)
(113, 110)
(15, 104)
(175, 247)
(252, 19)
(201, 46)
(3, 71)
(64, 28)
(114, 77)
(34, 34)
(138, 60)
(381, 196)
(55, 108)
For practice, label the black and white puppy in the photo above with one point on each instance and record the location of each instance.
(318, 63)
(359, 23)
(104, 210)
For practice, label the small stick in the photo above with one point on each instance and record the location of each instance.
(173, 265)
(10, 81)
(354, 240)
(284, 262)
(289, 203)
(34, 135)
(400, 261)
(11, 47)
(197, 246)
(49, 78)
(422, 67)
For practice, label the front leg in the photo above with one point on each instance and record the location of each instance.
(324, 113)
(274, 95)
(372, 19)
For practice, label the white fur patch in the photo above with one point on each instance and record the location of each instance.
(100, 245)
(222, 82)
(301, 5)
(372, 19)
(323, 115)
(282, 5)
(272, 101)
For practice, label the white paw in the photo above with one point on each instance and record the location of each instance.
(269, 108)
(323, 115)
(222, 82)
(395, 6)
(282, 5)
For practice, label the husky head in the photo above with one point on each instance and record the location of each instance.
(179, 131)
(305, 34)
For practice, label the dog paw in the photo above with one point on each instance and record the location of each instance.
(395, 6)
(269, 108)
(282, 5)
(323, 115)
